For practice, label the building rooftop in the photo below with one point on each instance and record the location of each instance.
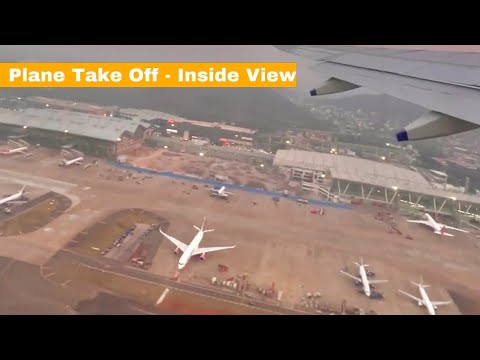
(150, 114)
(69, 104)
(365, 171)
(93, 126)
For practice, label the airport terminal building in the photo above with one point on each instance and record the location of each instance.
(95, 135)
(374, 181)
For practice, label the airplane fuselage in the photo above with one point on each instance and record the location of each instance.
(11, 198)
(20, 149)
(71, 162)
(187, 254)
(365, 282)
(437, 227)
(426, 301)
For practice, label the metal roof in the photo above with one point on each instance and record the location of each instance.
(365, 171)
(69, 104)
(93, 126)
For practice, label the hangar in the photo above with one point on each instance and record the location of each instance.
(102, 136)
(375, 181)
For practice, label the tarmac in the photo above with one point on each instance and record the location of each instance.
(216, 183)
(106, 265)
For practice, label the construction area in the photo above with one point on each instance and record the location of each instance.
(287, 258)
(255, 175)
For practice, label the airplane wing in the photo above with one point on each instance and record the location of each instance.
(211, 249)
(17, 202)
(441, 303)
(453, 228)
(351, 276)
(447, 84)
(177, 243)
(444, 233)
(376, 281)
(424, 222)
(411, 296)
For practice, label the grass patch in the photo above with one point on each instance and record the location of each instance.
(50, 206)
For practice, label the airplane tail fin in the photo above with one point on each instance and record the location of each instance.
(203, 225)
(361, 263)
(420, 284)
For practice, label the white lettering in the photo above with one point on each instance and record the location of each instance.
(116, 76)
(136, 75)
(271, 76)
(211, 75)
(252, 76)
(78, 73)
(151, 74)
(288, 76)
(14, 73)
(97, 76)
(35, 76)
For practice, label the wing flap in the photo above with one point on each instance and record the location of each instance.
(377, 281)
(441, 303)
(443, 233)
(454, 228)
(419, 222)
(211, 249)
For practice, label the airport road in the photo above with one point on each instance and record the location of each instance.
(116, 268)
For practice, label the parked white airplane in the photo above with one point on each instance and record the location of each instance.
(220, 192)
(363, 279)
(22, 149)
(77, 161)
(431, 306)
(438, 228)
(12, 199)
(193, 248)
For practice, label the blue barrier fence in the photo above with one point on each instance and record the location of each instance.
(215, 183)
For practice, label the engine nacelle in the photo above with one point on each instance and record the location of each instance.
(176, 250)
(420, 304)
(203, 256)
(434, 124)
